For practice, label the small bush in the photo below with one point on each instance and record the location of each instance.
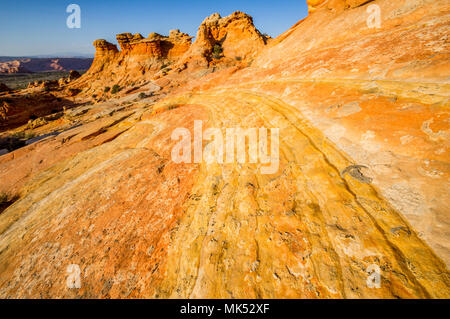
(15, 140)
(142, 95)
(107, 89)
(3, 198)
(25, 136)
(6, 201)
(166, 65)
(217, 51)
(115, 89)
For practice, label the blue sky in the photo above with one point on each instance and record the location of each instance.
(39, 27)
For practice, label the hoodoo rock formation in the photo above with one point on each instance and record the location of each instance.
(138, 59)
(235, 35)
(220, 41)
(363, 179)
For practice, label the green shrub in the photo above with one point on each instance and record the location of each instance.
(217, 51)
(15, 140)
(3, 198)
(23, 135)
(6, 201)
(116, 88)
(107, 89)
(142, 95)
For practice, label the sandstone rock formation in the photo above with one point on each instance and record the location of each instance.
(137, 59)
(335, 5)
(15, 66)
(142, 59)
(16, 109)
(236, 35)
(73, 75)
(362, 183)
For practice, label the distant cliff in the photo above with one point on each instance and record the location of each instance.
(32, 65)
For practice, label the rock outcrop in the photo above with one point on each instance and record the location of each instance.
(73, 75)
(142, 59)
(155, 46)
(236, 37)
(362, 184)
(138, 58)
(16, 66)
(17, 109)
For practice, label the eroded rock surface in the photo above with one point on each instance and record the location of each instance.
(362, 180)
(142, 59)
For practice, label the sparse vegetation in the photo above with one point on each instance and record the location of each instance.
(115, 89)
(217, 51)
(21, 80)
(107, 89)
(15, 140)
(3, 198)
(166, 65)
(142, 95)
(6, 201)
(73, 91)
(24, 135)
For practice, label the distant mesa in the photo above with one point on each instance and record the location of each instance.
(34, 65)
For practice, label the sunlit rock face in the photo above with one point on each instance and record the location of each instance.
(220, 42)
(335, 5)
(362, 184)
(137, 59)
(236, 35)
